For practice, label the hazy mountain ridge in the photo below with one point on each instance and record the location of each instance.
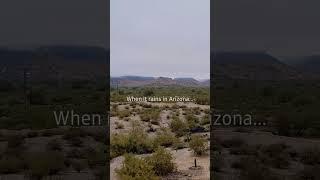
(135, 81)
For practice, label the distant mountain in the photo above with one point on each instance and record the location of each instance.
(135, 81)
(251, 66)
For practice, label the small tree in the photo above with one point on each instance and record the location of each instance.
(198, 145)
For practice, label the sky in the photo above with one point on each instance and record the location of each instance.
(28, 23)
(280, 27)
(156, 38)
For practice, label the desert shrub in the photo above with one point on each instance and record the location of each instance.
(162, 162)
(145, 105)
(233, 142)
(198, 144)
(310, 156)
(54, 145)
(179, 145)
(150, 115)
(9, 165)
(205, 120)
(203, 100)
(196, 111)
(179, 127)
(44, 164)
(164, 138)
(134, 168)
(123, 114)
(136, 141)
(192, 120)
(148, 92)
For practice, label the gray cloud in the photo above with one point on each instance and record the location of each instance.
(160, 38)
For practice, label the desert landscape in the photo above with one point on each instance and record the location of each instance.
(160, 140)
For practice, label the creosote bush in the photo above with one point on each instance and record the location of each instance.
(135, 168)
(137, 141)
(162, 162)
(198, 144)
(165, 138)
(179, 127)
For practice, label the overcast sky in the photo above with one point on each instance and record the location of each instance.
(26, 23)
(160, 38)
(282, 27)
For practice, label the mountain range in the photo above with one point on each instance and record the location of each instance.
(135, 81)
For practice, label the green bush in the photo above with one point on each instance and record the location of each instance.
(198, 144)
(179, 127)
(136, 141)
(192, 120)
(124, 113)
(165, 138)
(205, 120)
(162, 162)
(134, 168)
(150, 115)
